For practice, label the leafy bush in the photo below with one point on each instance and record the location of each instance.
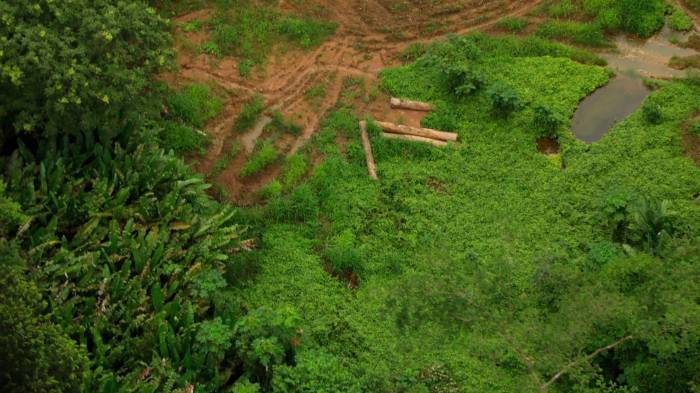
(195, 104)
(249, 114)
(84, 65)
(181, 138)
(211, 48)
(266, 338)
(679, 21)
(191, 26)
(547, 120)
(463, 80)
(652, 111)
(264, 155)
(37, 356)
(503, 98)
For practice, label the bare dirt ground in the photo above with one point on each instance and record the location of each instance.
(369, 37)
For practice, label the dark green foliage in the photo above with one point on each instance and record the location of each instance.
(266, 338)
(503, 98)
(194, 104)
(547, 121)
(37, 356)
(181, 138)
(652, 112)
(68, 67)
(154, 242)
(463, 81)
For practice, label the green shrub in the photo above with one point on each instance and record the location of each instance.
(652, 112)
(512, 24)
(191, 26)
(281, 125)
(211, 48)
(271, 190)
(245, 66)
(547, 120)
(37, 356)
(679, 21)
(249, 114)
(264, 155)
(463, 80)
(503, 98)
(693, 4)
(266, 338)
(293, 170)
(194, 104)
(181, 138)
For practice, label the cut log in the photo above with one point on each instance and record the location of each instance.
(371, 167)
(398, 103)
(413, 138)
(416, 131)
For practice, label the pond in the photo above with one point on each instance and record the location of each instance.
(607, 106)
(633, 61)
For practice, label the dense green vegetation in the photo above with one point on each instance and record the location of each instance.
(484, 266)
(487, 267)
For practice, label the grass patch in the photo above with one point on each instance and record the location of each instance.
(249, 30)
(512, 24)
(182, 139)
(264, 155)
(588, 34)
(249, 114)
(224, 160)
(679, 20)
(194, 104)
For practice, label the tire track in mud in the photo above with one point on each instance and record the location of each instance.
(355, 50)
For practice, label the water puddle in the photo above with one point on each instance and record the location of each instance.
(607, 106)
(634, 60)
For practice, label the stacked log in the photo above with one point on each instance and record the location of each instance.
(413, 138)
(416, 134)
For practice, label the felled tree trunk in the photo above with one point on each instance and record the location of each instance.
(413, 138)
(415, 131)
(371, 167)
(398, 103)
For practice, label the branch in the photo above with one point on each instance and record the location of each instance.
(588, 357)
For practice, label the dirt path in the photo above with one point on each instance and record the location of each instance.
(368, 38)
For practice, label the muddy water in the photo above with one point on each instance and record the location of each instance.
(607, 106)
(625, 92)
